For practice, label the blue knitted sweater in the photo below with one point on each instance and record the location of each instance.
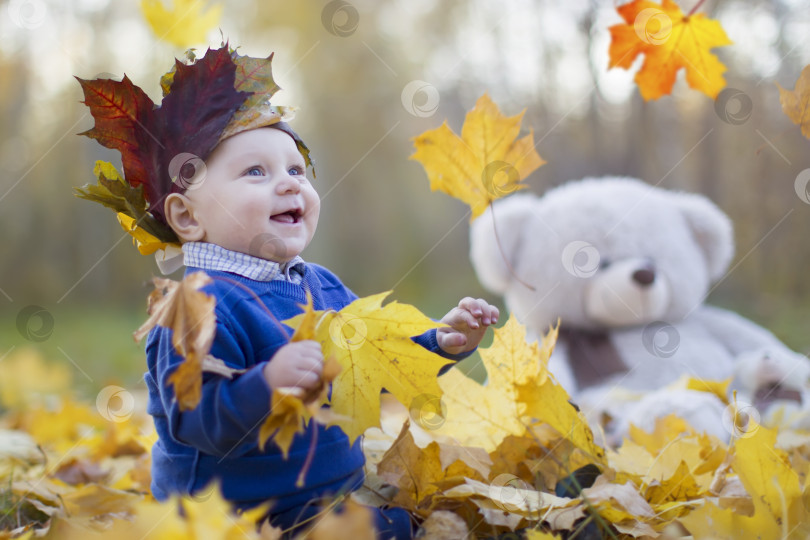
(219, 439)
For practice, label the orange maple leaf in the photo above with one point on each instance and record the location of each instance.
(670, 40)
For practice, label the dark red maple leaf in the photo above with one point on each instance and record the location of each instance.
(125, 120)
(190, 120)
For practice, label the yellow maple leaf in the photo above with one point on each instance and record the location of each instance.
(666, 430)
(61, 427)
(483, 415)
(187, 22)
(485, 163)
(548, 402)
(26, 378)
(291, 409)
(541, 535)
(145, 242)
(189, 312)
(373, 346)
(766, 473)
(796, 102)
(670, 41)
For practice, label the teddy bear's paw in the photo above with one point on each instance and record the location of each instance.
(769, 377)
(776, 383)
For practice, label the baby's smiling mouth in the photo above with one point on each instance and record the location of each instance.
(290, 216)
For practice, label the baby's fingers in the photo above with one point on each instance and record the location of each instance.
(460, 317)
(480, 309)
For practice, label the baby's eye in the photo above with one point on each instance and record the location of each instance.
(296, 170)
(254, 171)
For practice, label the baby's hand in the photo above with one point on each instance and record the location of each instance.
(467, 324)
(297, 364)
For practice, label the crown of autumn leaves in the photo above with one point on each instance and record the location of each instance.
(204, 102)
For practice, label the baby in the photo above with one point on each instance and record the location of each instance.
(244, 218)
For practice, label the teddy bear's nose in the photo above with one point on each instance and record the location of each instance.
(644, 276)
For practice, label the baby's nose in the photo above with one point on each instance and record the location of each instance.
(288, 184)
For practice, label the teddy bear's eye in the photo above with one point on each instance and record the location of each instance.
(604, 263)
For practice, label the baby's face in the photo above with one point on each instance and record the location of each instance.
(255, 197)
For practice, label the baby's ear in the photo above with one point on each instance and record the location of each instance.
(179, 212)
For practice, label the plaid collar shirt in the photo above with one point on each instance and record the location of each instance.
(209, 256)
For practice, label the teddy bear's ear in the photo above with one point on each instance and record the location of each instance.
(712, 230)
(487, 258)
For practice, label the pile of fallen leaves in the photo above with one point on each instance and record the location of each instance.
(511, 454)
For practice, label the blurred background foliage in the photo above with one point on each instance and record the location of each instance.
(381, 228)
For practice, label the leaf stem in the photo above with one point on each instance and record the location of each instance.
(695, 8)
(299, 483)
(503, 255)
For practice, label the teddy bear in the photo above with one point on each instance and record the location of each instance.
(625, 267)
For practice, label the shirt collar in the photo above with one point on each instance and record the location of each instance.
(209, 256)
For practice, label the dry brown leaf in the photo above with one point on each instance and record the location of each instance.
(189, 313)
(418, 472)
(796, 102)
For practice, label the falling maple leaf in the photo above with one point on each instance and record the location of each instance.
(482, 165)
(189, 312)
(374, 348)
(185, 24)
(796, 102)
(670, 41)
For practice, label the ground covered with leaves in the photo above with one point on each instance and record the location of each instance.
(509, 457)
